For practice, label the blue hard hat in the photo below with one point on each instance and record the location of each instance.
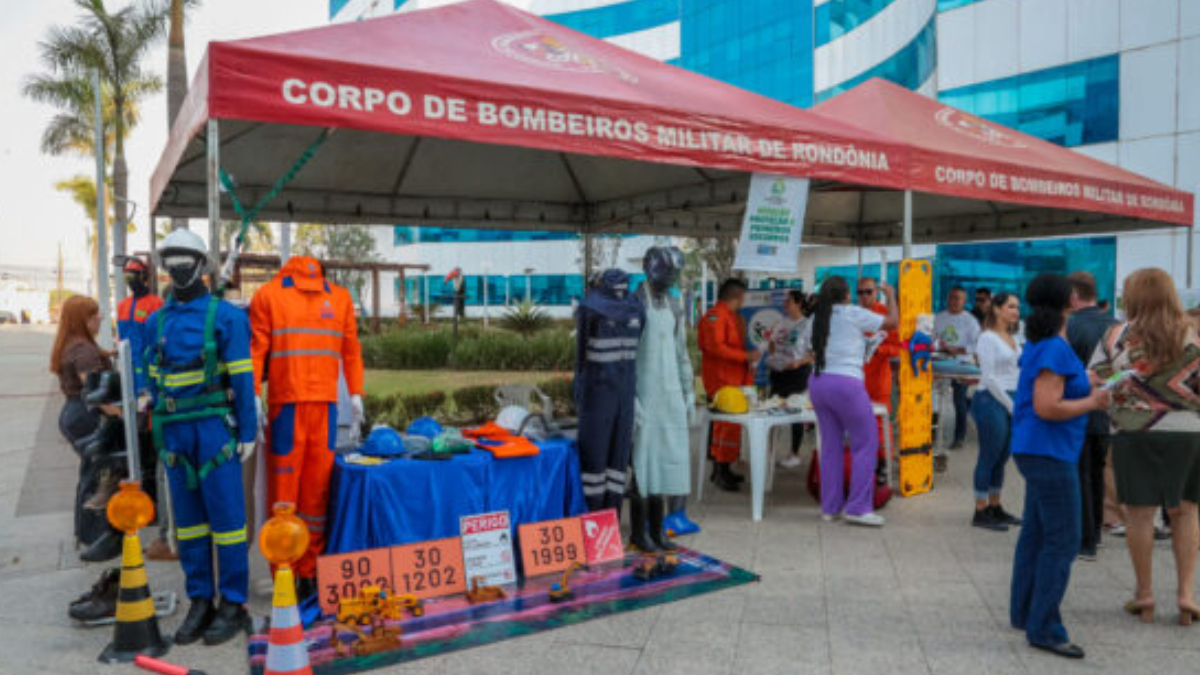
(383, 442)
(424, 426)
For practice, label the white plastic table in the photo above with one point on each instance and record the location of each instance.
(758, 427)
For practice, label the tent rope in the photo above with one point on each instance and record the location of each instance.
(248, 216)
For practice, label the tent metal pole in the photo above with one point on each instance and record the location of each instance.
(285, 243)
(587, 256)
(103, 264)
(908, 233)
(1191, 254)
(213, 168)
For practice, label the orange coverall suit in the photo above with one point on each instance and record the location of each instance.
(303, 327)
(878, 371)
(722, 344)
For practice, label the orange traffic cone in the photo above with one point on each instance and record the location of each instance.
(137, 625)
(287, 653)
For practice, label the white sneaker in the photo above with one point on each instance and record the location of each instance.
(829, 517)
(791, 461)
(866, 519)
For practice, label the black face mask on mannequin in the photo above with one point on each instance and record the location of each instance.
(186, 271)
(662, 265)
(137, 283)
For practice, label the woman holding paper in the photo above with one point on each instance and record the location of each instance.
(1152, 365)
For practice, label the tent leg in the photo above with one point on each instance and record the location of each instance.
(285, 243)
(375, 327)
(214, 195)
(153, 254)
(1191, 254)
(587, 256)
(403, 298)
(908, 233)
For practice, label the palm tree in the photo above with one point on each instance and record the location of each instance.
(114, 44)
(177, 84)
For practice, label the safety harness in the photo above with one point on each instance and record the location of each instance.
(214, 402)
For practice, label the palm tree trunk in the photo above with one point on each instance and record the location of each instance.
(120, 179)
(177, 84)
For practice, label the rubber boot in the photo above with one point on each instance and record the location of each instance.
(657, 511)
(725, 478)
(230, 620)
(638, 539)
(199, 617)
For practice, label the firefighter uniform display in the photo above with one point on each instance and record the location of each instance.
(202, 384)
(305, 333)
(609, 326)
(132, 314)
(724, 364)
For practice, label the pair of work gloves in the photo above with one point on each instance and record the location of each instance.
(246, 450)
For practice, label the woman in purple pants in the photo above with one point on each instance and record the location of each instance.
(839, 397)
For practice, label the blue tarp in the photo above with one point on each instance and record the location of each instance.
(409, 500)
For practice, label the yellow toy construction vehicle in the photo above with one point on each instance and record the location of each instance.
(374, 603)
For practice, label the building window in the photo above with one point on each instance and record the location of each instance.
(910, 67)
(1074, 104)
(850, 273)
(620, 18)
(1010, 266)
(836, 18)
(947, 5)
(403, 235)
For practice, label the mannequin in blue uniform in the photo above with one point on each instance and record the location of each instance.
(608, 326)
(664, 406)
(205, 420)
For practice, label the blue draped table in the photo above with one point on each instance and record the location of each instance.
(408, 500)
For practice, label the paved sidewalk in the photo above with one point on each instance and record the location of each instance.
(926, 594)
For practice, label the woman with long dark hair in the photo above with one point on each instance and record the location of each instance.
(1156, 450)
(1054, 396)
(840, 401)
(790, 362)
(998, 353)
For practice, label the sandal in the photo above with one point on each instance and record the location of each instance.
(1188, 614)
(1142, 608)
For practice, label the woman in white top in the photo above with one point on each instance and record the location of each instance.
(840, 401)
(998, 353)
(790, 362)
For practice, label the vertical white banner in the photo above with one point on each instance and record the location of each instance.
(770, 240)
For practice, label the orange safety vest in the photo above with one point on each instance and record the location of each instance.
(303, 326)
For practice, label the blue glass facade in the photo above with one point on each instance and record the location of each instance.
(909, 67)
(850, 273)
(1010, 266)
(945, 5)
(838, 17)
(620, 17)
(544, 289)
(403, 235)
(1073, 104)
(764, 46)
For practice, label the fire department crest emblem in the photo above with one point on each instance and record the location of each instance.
(980, 130)
(540, 49)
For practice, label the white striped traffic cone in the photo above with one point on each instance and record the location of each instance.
(286, 652)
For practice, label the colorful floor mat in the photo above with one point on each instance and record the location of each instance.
(451, 623)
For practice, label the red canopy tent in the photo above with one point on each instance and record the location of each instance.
(480, 115)
(957, 154)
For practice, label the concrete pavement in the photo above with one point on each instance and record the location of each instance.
(925, 594)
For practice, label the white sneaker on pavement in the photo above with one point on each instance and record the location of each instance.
(866, 519)
(829, 517)
(791, 461)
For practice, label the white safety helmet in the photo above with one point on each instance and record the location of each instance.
(183, 255)
(512, 417)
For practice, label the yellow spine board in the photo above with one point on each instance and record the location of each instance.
(916, 389)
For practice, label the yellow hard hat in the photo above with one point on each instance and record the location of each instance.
(731, 400)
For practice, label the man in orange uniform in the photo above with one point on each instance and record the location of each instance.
(726, 363)
(878, 371)
(304, 329)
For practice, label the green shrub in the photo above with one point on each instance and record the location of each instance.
(420, 405)
(561, 391)
(408, 349)
(376, 409)
(525, 319)
(549, 350)
(475, 404)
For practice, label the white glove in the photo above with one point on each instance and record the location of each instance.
(690, 404)
(246, 450)
(360, 415)
(260, 414)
